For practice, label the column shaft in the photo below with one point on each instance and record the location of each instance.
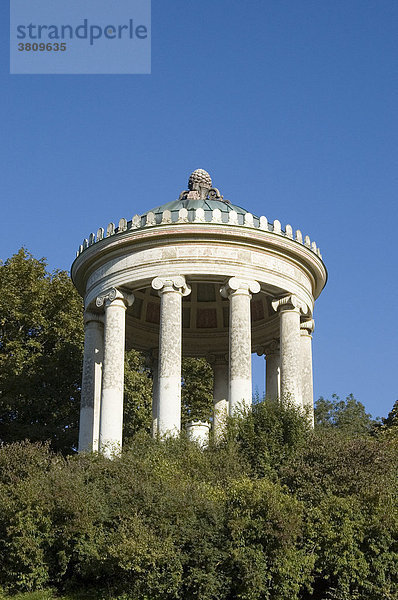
(155, 396)
(91, 384)
(272, 376)
(220, 397)
(290, 356)
(171, 291)
(240, 361)
(307, 391)
(111, 422)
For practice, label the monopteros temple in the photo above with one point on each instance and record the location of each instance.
(196, 277)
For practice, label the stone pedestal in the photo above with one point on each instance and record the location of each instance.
(171, 291)
(220, 394)
(289, 310)
(198, 431)
(111, 421)
(91, 383)
(240, 372)
(307, 392)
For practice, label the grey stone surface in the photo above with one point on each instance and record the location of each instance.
(91, 383)
(219, 364)
(240, 375)
(289, 311)
(111, 420)
(307, 392)
(272, 373)
(171, 290)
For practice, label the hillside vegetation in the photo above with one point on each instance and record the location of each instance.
(276, 511)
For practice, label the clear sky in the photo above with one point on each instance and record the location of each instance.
(291, 105)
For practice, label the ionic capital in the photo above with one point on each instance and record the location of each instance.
(291, 303)
(217, 359)
(307, 327)
(114, 295)
(90, 317)
(236, 285)
(268, 349)
(175, 283)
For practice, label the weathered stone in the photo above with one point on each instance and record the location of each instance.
(199, 215)
(110, 230)
(289, 310)
(248, 222)
(277, 226)
(111, 421)
(272, 373)
(100, 234)
(166, 217)
(122, 225)
(289, 231)
(264, 223)
(183, 215)
(198, 432)
(136, 222)
(91, 383)
(240, 382)
(307, 392)
(219, 364)
(216, 216)
(171, 291)
(150, 219)
(233, 217)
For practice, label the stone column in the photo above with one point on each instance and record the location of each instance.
(272, 374)
(307, 392)
(111, 420)
(171, 290)
(219, 363)
(91, 382)
(239, 292)
(289, 310)
(154, 362)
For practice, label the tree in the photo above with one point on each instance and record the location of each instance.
(347, 415)
(41, 353)
(41, 344)
(390, 423)
(137, 404)
(197, 390)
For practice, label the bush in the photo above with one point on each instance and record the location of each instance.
(275, 512)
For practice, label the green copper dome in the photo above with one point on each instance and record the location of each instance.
(200, 194)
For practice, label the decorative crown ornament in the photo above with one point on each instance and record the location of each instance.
(200, 187)
(199, 179)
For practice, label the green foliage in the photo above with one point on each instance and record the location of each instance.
(347, 415)
(269, 434)
(313, 515)
(389, 426)
(137, 404)
(41, 353)
(197, 390)
(41, 343)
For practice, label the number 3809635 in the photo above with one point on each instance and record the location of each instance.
(49, 47)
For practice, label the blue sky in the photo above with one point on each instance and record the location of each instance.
(291, 105)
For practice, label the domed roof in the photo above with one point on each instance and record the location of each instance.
(200, 194)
